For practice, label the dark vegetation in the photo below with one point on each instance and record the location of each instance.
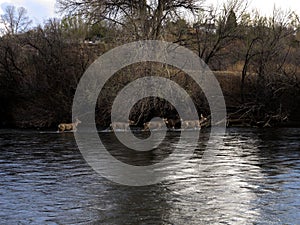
(254, 58)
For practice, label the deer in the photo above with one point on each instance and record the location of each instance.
(185, 124)
(155, 124)
(69, 126)
(172, 123)
(121, 125)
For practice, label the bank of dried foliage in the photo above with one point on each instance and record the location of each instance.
(255, 60)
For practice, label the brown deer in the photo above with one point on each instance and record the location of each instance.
(154, 124)
(121, 125)
(173, 123)
(69, 126)
(188, 124)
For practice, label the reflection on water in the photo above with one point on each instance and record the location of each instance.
(254, 178)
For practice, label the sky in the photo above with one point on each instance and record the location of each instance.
(265, 7)
(40, 10)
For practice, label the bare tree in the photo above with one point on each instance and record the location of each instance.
(266, 47)
(216, 29)
(142, 18)
(15, 20)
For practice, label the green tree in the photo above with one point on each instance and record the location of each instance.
(231, 22)
(74, 28)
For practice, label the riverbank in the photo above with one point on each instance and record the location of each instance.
(41, 111)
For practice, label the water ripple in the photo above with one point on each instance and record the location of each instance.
(253, 178)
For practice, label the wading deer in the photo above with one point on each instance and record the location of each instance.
(173, 123)
(121, 125)
(69, 126)
(190, 124)
(155, 124)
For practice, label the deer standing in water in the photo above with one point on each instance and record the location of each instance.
(69, 126)
(155, 124)
(188, 124)
(121, 125)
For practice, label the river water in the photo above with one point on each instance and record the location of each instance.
(254, 178)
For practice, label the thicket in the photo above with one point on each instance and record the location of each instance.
(255, 59)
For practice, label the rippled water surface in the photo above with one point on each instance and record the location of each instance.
(253, 178)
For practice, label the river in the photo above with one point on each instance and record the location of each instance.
(254, 178)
